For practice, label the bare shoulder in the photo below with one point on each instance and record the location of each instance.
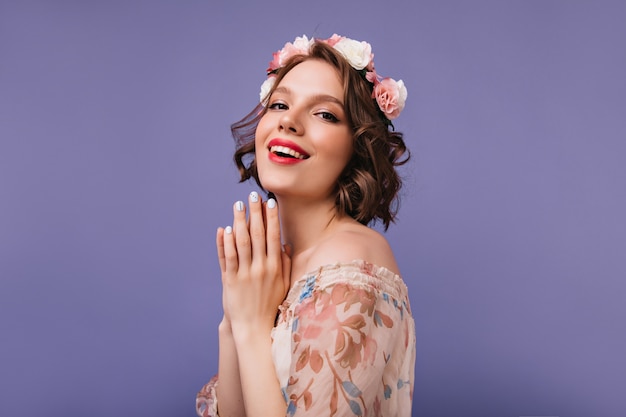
(352, 242)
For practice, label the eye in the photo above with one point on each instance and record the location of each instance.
(278, 106)
(328, 116)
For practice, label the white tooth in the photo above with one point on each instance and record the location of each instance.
(288, 151)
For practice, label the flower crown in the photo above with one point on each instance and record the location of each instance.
(389, 94)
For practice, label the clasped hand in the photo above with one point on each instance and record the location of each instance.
(254, 264)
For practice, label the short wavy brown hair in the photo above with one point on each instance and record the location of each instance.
(367, 189)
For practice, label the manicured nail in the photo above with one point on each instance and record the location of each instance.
(228, 230)
(271, 203)
(239, 205)
(254, 196)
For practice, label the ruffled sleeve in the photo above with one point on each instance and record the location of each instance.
(206, 400)
(351, 348)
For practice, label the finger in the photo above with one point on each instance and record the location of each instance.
(242, 237)
(219, 242)
(274, 247)
(286, 260)
(231, 260)
(257, 227)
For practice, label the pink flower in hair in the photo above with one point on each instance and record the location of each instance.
(287, 52)
(299, 47)
(275, 62)
(372, 77)
(390, 96)
(332, 41)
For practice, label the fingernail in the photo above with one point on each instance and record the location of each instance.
(254, 196)
(239, 205)
(271, 203)
(228, 230)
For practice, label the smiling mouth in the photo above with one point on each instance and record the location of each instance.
(285, 152)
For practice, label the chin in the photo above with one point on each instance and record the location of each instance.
(279, 188)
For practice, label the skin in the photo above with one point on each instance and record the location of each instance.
(257, 270)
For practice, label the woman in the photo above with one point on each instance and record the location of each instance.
(320, 326)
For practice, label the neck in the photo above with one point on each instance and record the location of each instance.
(305, 223)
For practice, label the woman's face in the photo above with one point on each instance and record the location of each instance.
(303, 142)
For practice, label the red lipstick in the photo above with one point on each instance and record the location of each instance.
(283, 151)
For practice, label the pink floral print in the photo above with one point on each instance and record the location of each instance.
(343, 345)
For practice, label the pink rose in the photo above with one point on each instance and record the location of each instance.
(275, 63)
(332, 41)
(372, 77)
(287, 52)
(299, 47)
(390, 96)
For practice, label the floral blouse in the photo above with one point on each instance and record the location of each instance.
(343, 345)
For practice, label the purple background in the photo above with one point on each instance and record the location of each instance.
(115, 170)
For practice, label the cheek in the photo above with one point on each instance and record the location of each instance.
(346, 150)
(260, 127)
(260, 135)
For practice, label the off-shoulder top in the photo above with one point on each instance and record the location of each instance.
(343, 345)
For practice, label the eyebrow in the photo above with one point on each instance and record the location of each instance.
(314, 98)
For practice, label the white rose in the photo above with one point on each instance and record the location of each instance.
(358, 54)
(265, 89)
(302, 43)
(403, 93)
(300, 46)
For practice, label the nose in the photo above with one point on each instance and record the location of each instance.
(290, 121)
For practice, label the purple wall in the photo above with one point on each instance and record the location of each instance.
(115, 171)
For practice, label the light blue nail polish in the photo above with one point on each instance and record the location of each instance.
(239, 205)
(271, 203)
(254, 196)
(228, 230)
